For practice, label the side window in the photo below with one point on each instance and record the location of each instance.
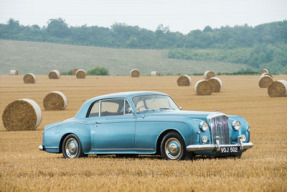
(94, 112)
(128, 109)
(112, 107)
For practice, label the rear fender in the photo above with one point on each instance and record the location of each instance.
(82, 131)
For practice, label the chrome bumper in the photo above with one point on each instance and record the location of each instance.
(216, 147)
(41, 147)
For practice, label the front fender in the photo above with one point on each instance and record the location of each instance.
(150, 131)
(244, 130)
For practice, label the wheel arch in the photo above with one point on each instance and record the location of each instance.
(62, 140)
(159, 139)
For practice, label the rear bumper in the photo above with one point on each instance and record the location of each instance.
(216, 147)
(41, 148)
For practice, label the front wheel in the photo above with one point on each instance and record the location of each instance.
(172, 147)
(71, 147)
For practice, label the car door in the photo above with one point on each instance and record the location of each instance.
(114, 128)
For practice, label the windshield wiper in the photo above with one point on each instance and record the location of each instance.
(147, 110)
(164, 108)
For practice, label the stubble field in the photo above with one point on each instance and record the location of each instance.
(263, 168)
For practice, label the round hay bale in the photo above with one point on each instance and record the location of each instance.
(81, 74)
(203, 87)
(208, 74)
(154, 73)
(74, 71)
(278, 89)
(22, 114)
(55, 100)
(184, 80)
(264, 71)
(135, 73)
(265, 81)
(216, 84)
(54, 74)
(13, 72)
(267, 74)
(29, 78)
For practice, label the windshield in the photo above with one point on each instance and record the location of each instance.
(146, 103)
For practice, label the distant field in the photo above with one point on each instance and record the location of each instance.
(40, 58)
(263, 168)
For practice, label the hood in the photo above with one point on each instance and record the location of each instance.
(182, 114)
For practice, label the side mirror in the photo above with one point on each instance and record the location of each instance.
(180, 108)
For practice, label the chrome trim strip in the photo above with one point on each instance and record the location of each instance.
(50, 148)
(122, 149)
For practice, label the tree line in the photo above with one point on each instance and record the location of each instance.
(272, 57)
(94, 71)
(123, 36)
(262, 46)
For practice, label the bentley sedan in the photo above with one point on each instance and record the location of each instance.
(145, 122)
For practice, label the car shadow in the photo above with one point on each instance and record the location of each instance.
(150, 157)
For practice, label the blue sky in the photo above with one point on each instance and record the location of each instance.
(178, 15)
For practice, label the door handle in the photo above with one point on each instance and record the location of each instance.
(95, 122)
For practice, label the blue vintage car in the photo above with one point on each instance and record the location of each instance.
(145, 122)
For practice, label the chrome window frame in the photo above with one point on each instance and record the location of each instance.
(125, 107)
(100, 107)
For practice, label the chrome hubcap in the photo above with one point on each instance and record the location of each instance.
(71, 148)
(173, 148)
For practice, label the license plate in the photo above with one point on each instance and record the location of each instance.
(229, 149)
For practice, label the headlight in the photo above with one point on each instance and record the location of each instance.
(204, 126)
(236, 125)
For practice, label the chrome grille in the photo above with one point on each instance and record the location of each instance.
(219, 127)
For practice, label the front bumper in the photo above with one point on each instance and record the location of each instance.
(216, 147)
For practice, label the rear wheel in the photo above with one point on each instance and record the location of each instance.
(172, 147)
(71, 147)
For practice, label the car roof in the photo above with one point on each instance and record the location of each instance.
(83, 110)
(128, 94)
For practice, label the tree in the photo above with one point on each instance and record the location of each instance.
(12, 24)
(13, 28)
(98, 71)
(58, 28)
(207, 29)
